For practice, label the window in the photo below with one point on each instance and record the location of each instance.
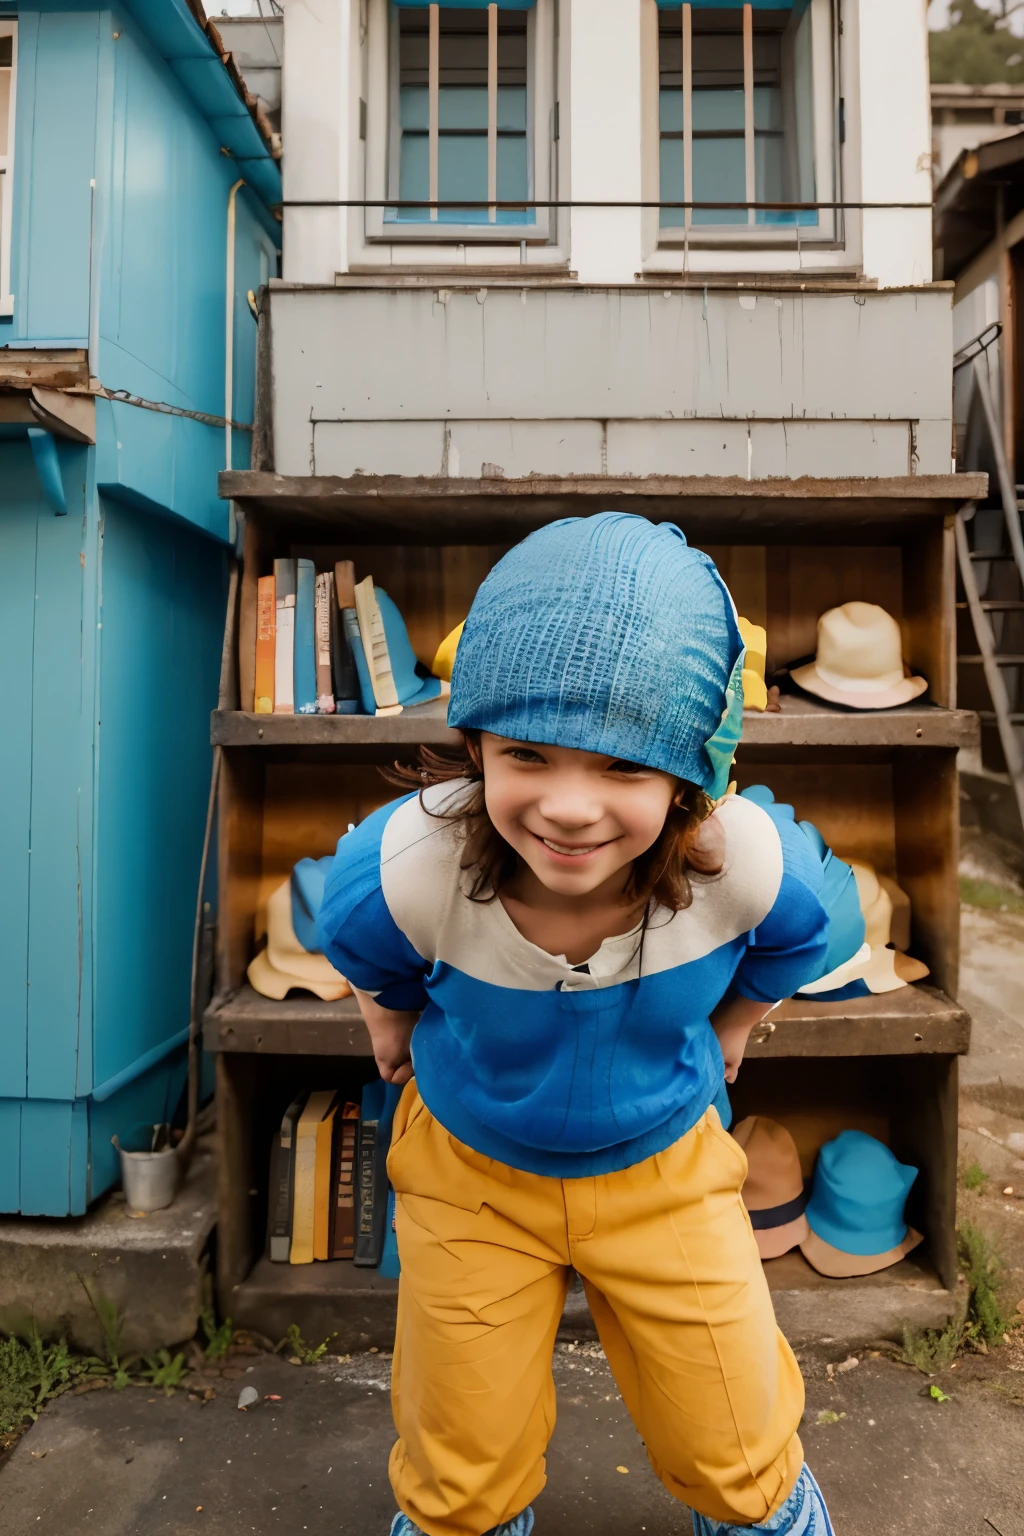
(745, 113)
(8, 40)
(469, 121)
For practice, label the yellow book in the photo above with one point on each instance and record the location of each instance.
(375, 645)
(266, 635)
(322, 1186)
(304, 1200)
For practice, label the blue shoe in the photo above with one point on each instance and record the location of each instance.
(803, 1514)
(522, 1525)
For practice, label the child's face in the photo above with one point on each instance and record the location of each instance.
(576, 819)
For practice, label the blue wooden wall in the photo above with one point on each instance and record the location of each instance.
(111, 618)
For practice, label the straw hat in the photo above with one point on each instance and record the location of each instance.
(285, 964)
(881, 969)
(774, 1193)
(859, 663)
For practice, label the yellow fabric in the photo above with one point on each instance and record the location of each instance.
(675, 1286)
(755, 638)
(444, 661)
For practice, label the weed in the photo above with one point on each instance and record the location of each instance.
(984, 1272)
(110, 1321)
(938, 1394)
(829, 1416)
(306, 1354)
(164, 1370)
(974, 1177)
(932, 1349)
(32, 1373)
(995, 898)
(218, 1336)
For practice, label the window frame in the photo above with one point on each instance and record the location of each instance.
(829, 232)
(383, 138)
(8, 28)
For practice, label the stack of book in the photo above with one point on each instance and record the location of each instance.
(327, 644)
(329, 1191)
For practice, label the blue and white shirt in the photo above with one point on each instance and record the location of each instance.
(527, 1059)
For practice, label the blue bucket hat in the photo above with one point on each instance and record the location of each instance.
(855, 1212)
(611, 635)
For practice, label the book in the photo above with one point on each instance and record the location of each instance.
(285, 575)
(266, 632)
(282, 1184)
(390, 1266)
(350, 623)
(324, 614)
(347, 700)
(376, 1116)
(322, 1193)
(342, 1242)
(375, 648)
(304, 665)
(304, 1199)
(345, 583)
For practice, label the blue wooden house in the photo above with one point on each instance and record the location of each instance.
(137, 183)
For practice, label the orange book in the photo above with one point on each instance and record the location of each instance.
(266, 637)
(322, 1186)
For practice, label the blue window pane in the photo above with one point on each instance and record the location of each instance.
(513, 181)
(670, 111)
(768, 108)
(719, 176)
(462, 173)
(714, 110)
(413, 177)
(462, 106)
(414, 107)
(673, 183)
(512, 108)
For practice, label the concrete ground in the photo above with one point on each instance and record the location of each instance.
(892, 1460)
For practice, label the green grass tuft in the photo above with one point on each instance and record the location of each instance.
(974, 1177)
(994, 898)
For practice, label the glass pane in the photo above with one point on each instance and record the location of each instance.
(513, 179)
(715, 110)
(673, 183)
(670, 110)
(462, 173)
(719, 175)
(414, 107)
(512, 107)
(768, 108)
(462, 106)
(414, 175)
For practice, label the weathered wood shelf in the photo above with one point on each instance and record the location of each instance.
(800, 723)
(358, 1306)
(912, 1021)
(372, 509)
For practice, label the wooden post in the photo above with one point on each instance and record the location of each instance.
(686, 65)
(748, 110)
(492, 111)
(433, 90)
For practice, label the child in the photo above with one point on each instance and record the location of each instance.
(570, 951)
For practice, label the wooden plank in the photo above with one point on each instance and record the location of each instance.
(368, 509)
(750, 173)
(924, 1135)
(801, 723)
(492, 112)
(235, 1171)
(433, 97)
(913, 1021)
(926, 812)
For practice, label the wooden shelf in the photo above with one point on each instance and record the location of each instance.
(801, 723)
(371, 509)
(358, 1306)
(912, 1021)
(301, 1025)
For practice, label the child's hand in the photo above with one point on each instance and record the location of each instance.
(732, 1023)
(391, 1038)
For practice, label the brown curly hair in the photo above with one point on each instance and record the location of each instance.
(662, 873)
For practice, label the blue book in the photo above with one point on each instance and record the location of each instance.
(355, 642)
(390, 1265)
(305, 638)
(376, 1117)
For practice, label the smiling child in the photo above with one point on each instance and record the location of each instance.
(568, 945)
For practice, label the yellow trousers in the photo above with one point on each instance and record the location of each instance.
(675, 1286)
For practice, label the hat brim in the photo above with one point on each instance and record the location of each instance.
(773, 1242)
(890, 969)
(905, 692)
(268, 981)
(838, 1265)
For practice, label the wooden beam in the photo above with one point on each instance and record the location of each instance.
(748, 110)
(492, 111)
(433, 97)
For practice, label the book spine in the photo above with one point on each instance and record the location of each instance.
(371, 1212)
(343, 1224)
(279, 1237)
(390, 1266)
(305, 1196)
(346, 680)
(375, 645)
(266, 633)
(351, 624)
(304, 692)
(284, 655)
(324, 680)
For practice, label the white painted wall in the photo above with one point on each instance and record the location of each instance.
(601, 83)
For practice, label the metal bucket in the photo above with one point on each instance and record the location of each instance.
(150, 1179)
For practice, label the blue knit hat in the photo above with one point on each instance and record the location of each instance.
(609, 634)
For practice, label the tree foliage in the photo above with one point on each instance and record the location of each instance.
(978, 48)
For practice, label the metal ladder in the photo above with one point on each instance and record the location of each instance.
(990, 556)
